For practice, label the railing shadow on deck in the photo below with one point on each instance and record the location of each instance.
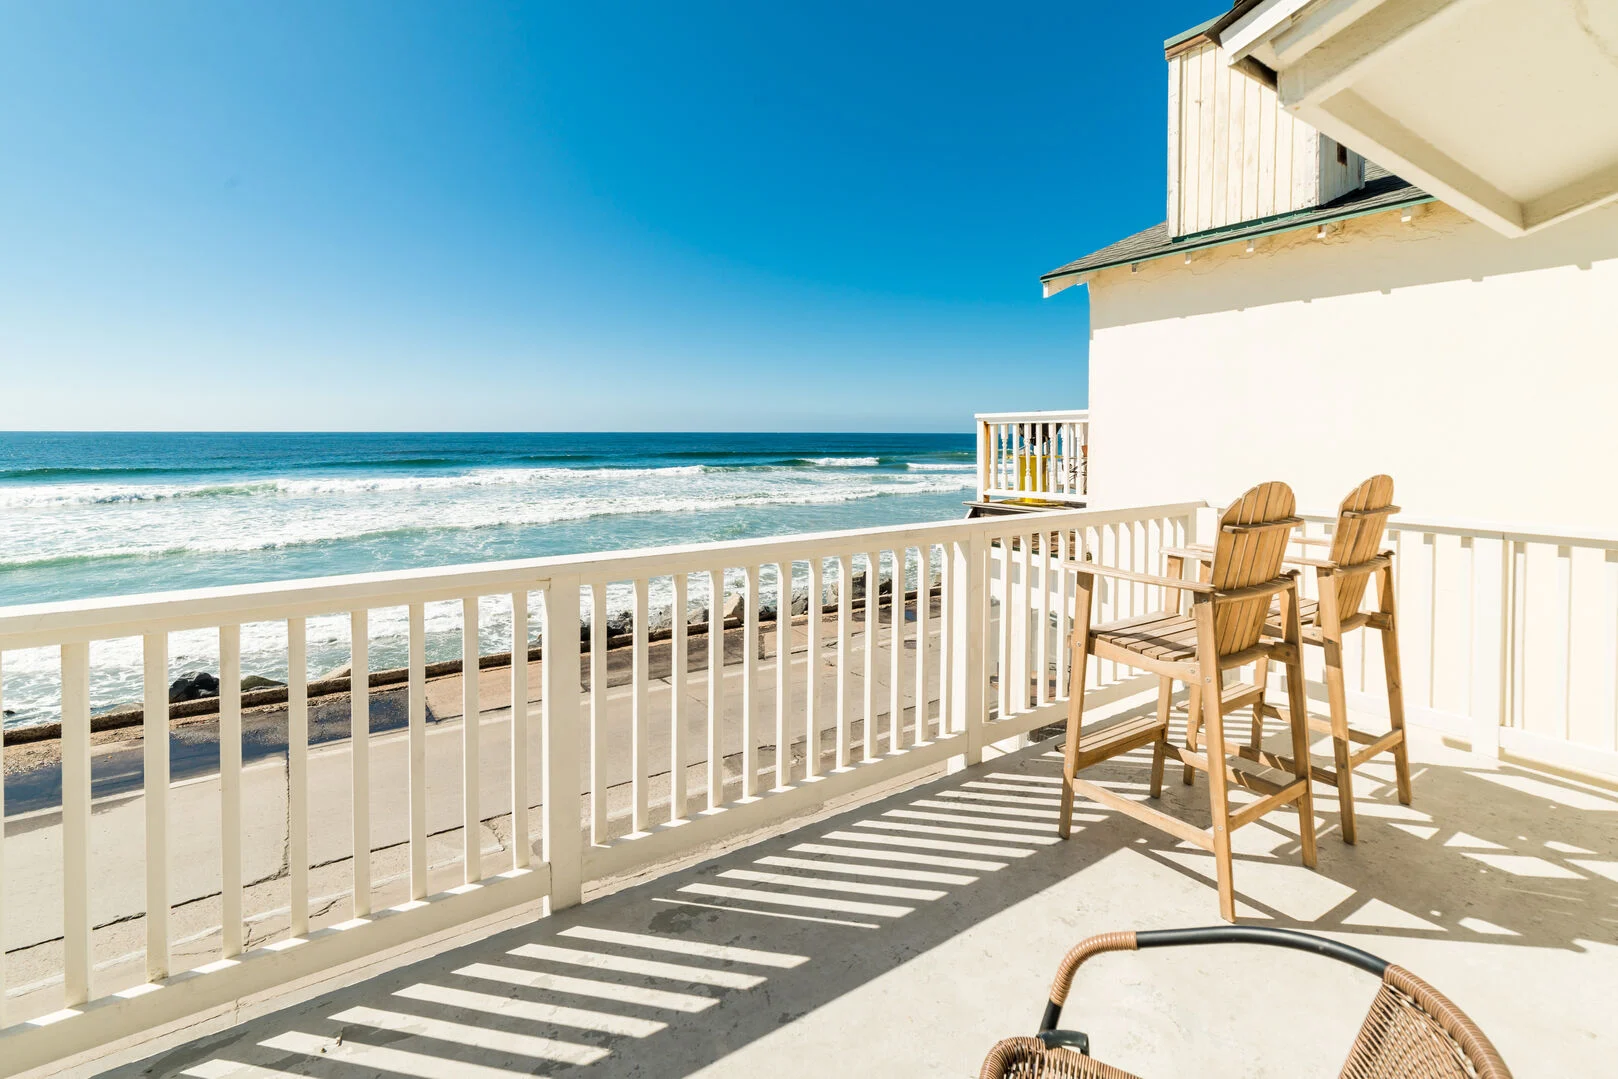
(679, 972)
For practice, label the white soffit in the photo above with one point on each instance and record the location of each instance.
(1505, 109)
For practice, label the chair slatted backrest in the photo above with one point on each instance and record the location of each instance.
(1361, 520)
(1252, 541)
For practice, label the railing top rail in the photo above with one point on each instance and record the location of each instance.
(42, 624)
(1052, 416)
(1498, 530)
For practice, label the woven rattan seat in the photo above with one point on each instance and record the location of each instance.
(1412, 1031)
(1029, 1058)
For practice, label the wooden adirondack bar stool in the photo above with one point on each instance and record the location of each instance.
(1341, 579)
(1224, 630)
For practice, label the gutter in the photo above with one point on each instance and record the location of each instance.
(1058, 280)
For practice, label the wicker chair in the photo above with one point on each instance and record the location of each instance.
(1411, 1032)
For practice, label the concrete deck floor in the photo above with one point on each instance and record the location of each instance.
(905, 936)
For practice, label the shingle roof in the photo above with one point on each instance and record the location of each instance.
(1187, 35)
(1382, 191)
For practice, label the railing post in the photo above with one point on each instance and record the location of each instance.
(985, 461)
(1493, 585)
(560, 694)
(155, 735)
(968, 639)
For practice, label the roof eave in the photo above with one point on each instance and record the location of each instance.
(1062, 278)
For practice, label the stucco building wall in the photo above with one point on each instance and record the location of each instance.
(1481, 372)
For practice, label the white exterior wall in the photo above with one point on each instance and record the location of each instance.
(1480, 372)
(1236, 155)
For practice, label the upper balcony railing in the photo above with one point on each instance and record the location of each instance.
(1034, 455)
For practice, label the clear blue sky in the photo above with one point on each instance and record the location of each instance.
(486, 216)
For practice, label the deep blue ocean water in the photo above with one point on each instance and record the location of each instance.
(87, 514)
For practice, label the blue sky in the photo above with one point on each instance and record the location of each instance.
(546, 216)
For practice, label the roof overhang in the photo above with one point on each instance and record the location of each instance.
(1505, 109)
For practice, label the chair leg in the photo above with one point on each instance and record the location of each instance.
(1396, 696)
(1193, 724)
(1337, 701)
(1078, 655)
(1165, 695)
(1219, 801)
(1257, 739)
(1208, 677)
(1298, 717)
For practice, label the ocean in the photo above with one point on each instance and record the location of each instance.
(101, 514)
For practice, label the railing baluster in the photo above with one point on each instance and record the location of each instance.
(946, 638)
(640, 709)
(750, 683)
(1042, 623)
(677, 679)
(155, 738)
(230, 787)
(896, 617)
(783, 669)
(76, 958)
(811, 684)
(1064, 455)
(298, 774)
(1003, 696)
(520, 842)
(1061, 614)
(924, 603)
(416, 652)
(1025, 621)
(845, 586)
(873, 620)
(1045, 448)
(716, 687)
(471, 811)
(359, 712)
(2, 842)
(598, 713)
(971, 712)
(1019, 449)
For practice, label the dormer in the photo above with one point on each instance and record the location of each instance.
(1235, 155)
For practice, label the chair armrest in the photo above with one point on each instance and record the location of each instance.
(1312, 541)
(1138, 578)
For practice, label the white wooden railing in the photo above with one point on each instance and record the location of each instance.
(1043, 455)
(1508, 639)
(978, 601)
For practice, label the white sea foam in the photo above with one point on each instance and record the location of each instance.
(50, 532)
(925, 466)
(845, 462)
(94, 494)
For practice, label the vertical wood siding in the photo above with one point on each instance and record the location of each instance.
(1236, 155)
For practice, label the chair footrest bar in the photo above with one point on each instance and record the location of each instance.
(1119, 738)
(1245, 780)
(1380, 745)
(1289, 792)
(1145, 814)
